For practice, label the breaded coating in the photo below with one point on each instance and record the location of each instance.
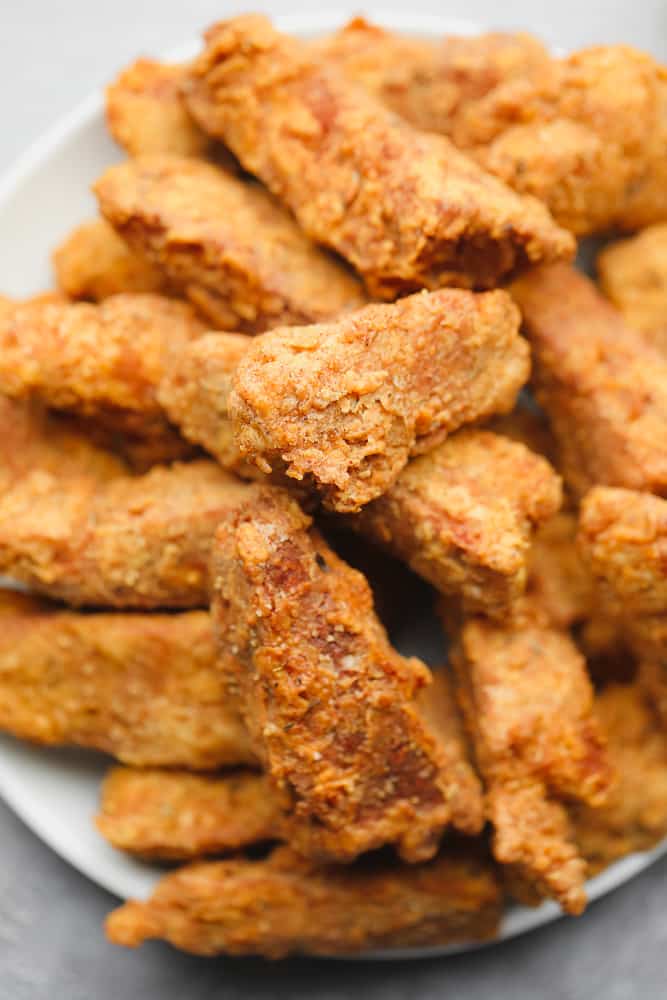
(635, 816)
(652, 679)
(528, 706)
(146, 688)
(343, 405)
(175, 814)
(404, 207)
(94, 263)
(633, 275)
(558, 579)
(623, 537)
(101, 362)
(134, 542)
(145, 112)
(331, 707)
(225, 244)
(462, 517)
(603, 388)
(287, 905)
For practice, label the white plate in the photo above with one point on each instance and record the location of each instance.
(41, 200)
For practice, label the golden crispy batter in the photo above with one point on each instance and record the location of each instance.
(558, 579)
(528, 706)
(603, 388)
(462, 517)
(403, 206)
(139, 542)
(332, 709)
(146, 688)
(635, 816)
(101, 362)
(429, 83)
(286, 905)
(224, 243)
(633, 274)
(345, 404)
(94, 263)
(176, 814)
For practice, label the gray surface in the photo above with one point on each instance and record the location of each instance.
(51, 941)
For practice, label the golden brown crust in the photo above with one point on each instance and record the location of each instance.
(528, 706)
(462, 517)
(332, 709)
(145, 688)
(404, 207)
(633, 275)
(558, 579)
(344, 404)
(603, 388)
(286, 905)
(224, 243)
(93, 262)
(139, 542)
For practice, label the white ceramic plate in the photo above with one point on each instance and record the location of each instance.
(41, 200)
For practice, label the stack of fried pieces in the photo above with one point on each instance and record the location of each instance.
(341, 214)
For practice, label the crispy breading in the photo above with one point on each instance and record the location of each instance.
(635, 816)
(146, 688)
(343, 405)
(603, 388)
(175, 814)
(404, 207)
(331, 707)
(135, 542)
(652, 678)
(528, 706)
(286, 905)
(226, 244)
(633, 274)
(462, 517)
(93, 262)
(558, 579)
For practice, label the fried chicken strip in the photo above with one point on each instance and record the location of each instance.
(345, 404)
(146, 688)
(603, 388)
(287, 905)
(633, 275)
(462, 517)
(528, 707)
(134, 542)
(404, 207)
(225, 244)
(332, 709)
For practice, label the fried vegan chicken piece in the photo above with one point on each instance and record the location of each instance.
(528, 706)
(94, 263)
(462, 517)
(146, 688)
(404, 207)
(288, 905)
(603, 388)
(225, 244)
(343, 405)
(133, 542)
(178, 815)
(332, 709)
(634, 817)
(633, 275)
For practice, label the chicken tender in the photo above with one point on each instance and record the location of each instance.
(633, 275)
(462, 517)
(343, 405)
(332, 709)
(225, 244)
(134, 542)
(176, 814)
(404, 207)
(146, 688)
(528, 706)
(94, 263)
(603, 388)
(287, 905)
